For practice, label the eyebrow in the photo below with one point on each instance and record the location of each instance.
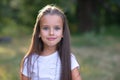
(48, 25)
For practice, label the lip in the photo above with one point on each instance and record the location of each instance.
(51, 39)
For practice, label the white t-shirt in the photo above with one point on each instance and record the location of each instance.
(47, 67)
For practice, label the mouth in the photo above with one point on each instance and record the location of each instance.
(51, 39)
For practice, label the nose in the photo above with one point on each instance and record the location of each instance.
(51, 32)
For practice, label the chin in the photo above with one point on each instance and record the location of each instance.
(49, 45)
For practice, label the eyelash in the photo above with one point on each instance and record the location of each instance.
(45, 28)
(56, 28)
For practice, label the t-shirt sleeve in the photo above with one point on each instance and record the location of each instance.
(24, 68)
(74, 62)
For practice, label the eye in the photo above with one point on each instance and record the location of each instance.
(57, 28)
(45, 28)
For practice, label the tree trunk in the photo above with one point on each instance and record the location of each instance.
(85, 9)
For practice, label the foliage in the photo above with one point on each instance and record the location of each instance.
(24, 12)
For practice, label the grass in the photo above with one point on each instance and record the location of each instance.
(10, 57)
(98, 56)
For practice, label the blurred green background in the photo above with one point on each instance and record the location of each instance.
(95, 35)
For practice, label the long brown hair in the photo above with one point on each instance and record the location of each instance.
(63, 46)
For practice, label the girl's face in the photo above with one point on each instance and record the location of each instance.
(51, 30)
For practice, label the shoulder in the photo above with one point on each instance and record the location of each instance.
(72, 55)
(74, 62)
(31, 58)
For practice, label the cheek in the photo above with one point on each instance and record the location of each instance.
(59, 34)
(62, 34)
(43, 33)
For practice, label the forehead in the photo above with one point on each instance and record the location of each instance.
(51, 19)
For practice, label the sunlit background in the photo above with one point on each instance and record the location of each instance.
(95, 35)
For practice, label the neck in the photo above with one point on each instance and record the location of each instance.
(48, 51)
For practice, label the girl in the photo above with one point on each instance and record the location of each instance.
(49, 56)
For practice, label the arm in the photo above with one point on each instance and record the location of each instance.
(22, 77)
(76, 74)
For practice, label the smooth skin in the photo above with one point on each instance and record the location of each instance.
(51, 32)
